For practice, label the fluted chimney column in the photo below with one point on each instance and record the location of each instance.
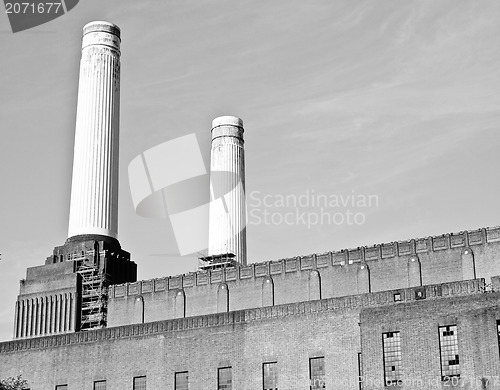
(94, 189)
(227, 214)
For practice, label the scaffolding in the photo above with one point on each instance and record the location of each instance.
(223, 260)
(94, 294)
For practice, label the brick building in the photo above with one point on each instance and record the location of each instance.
(417, 314)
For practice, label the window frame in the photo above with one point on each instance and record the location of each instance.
(100, 382)
(139, 377)
(264, 377)
(397, 358)
(323, 381)
(442, 351)
(219, 369)
(175, 378)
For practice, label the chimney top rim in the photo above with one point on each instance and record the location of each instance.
(227, 120)
(102, 26)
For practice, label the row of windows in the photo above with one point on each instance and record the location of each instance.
(393, 373)
(448, 352)
(225, 378)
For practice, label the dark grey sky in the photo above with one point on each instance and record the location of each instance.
(393, 99)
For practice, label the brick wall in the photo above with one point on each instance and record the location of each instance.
(288, 334)
(418, 323)
(432, 260)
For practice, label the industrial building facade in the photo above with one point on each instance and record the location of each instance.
(280, 325)
(416, 314)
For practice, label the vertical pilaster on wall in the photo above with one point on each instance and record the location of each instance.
(44, 316)
(41, 315)
(36, 331)
(61, 315)
(52, 314)
(468, 264)
(19, 328)
(314, 285)
(58, 313)
(16, 319)
(66, 312)
(33, 316)
(267, 291)
(25, 318)
(62, 327)
(69, 314)
(74, 312)
(414, 272)
(222, 298)
(180, 304)
(47, 316)
(363, 278)
(30, 315)
(138, 310)
(58, 316)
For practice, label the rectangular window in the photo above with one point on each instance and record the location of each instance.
(181, 380)
(317, 373)
(391, 344)
(225, 378)
(62, 387)
(100, 385)
(270, 376)
(360, 371)
(448, 349)
(140, 383)
(498, 332)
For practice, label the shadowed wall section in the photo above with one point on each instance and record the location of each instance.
(468, 266)
(180, 304)
(139, 310)
(267, 291)
(363, 275)
(314, 285)
(414, 272)
(222, 298)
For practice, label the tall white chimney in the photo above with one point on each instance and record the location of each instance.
(227, 214)
(94, 189)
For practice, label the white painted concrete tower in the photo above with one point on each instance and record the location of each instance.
(227, 217)
(94, 190)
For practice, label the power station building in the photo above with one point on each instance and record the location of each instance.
(415, 314)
